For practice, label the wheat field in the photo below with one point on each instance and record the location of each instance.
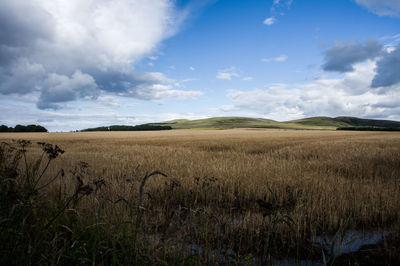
(247, 190)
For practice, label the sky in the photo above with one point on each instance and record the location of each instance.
(71, 64)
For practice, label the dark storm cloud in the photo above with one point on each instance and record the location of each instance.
(121, 83)
(20, 77)
(58, 89)
(342, 57)
(387, 69)
(22, 24)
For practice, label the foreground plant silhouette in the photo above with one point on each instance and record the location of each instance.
(42, 220)
(38, 224)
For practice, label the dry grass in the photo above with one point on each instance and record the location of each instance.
(216, 194)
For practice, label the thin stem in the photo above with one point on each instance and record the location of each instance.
(41, 175)
(63, 209)
(26, 165)
(48, 183)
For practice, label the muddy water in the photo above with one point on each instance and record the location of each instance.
(352, 242)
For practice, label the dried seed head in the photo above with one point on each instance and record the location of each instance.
(52, 151)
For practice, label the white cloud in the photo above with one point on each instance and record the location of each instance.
(389, 48)
(390, 42)
(269, 21)
(228, 73)
(100, 39)
(192, 68)
(153, 57)
(71, 119)
(278, 8)
(188, 80)
(104, 111)
(248, 78)
(350, 95)
(281, 58)
(227, 108)
(160, 91)
(382, 7)
(108, 100)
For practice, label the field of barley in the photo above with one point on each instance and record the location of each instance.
(247, 196)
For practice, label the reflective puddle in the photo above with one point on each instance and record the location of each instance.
(352, 242)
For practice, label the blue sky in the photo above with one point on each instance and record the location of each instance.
(67, 65)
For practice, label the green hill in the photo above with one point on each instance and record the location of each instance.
(223, 123)
(359, 122)
(320, 122)
(243, 122)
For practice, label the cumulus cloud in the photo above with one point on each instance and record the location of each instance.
(388, 69)
(107, 100)
(68, 50)
(60, 88)
(382, 7)
(227, 74)
(281, 58)
(341, 57)
(350, 95)
(21, 77)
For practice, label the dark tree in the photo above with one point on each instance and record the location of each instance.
(4, 128)
(21, 128)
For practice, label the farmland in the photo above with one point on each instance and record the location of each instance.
(236, 196)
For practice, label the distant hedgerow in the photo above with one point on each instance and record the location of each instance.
(21, 128)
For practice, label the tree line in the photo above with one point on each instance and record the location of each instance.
(21, 128)
(144, 127)
(370, 128)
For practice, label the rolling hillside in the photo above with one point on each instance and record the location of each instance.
(306, 123)
(354, 121)
(320, 122)
(223, 123)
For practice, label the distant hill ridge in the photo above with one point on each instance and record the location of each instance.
(319, 122)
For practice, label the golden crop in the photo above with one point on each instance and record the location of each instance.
(217, 191)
